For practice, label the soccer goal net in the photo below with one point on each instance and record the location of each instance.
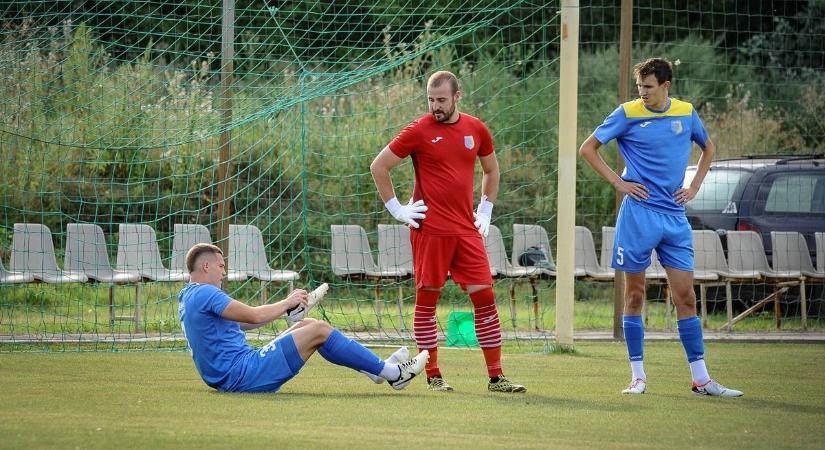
(131, 130)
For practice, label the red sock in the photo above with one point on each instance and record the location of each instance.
(425, 327)
(432, 364)
(488, 329)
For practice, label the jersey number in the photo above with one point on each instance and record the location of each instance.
(619, 256)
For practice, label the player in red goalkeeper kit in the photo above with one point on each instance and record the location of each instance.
(446, 235)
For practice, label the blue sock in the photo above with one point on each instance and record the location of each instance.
(634, 337)
(690, 332)
(343, 351)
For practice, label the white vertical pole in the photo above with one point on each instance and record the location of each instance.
(568, 126)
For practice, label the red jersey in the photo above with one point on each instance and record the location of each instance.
(444, 157)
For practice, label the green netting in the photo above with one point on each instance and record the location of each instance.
(114, 112)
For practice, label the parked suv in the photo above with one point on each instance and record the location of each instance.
(763, 194)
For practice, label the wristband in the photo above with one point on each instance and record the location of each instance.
(485, 207)
(393, 205)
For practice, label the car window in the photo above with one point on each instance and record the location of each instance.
(796, 193)
(717, 188)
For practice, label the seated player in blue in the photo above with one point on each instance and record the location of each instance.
(213, 323)
(655, 135)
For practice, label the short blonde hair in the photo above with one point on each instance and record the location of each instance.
(196, 251)
(440, 77)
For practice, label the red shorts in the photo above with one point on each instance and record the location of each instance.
(464, 257)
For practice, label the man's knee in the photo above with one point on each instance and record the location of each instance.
(318, 327)
(634, 294)
(684, 297)
(473, 288)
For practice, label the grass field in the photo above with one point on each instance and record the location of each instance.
(156, 400)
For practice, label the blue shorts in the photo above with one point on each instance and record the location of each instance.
(640, 230)
(267, 368)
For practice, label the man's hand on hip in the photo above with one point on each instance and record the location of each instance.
(483, 215)
(408, 213)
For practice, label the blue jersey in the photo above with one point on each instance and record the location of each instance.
(217, 344)
(656, 147)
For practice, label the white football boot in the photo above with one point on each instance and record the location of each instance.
(399, 356)
(409, 370)
(714, 389)
(637, 386)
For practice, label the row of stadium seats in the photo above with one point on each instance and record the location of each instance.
(86, 257)
(745, 261)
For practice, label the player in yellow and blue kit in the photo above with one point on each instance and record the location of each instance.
(655, 135)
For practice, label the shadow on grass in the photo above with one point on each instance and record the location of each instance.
(527, 399)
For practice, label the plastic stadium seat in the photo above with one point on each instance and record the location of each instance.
(526, 236)
(7, 277)
(791, 254)
(137, 251)
(820, 252)
(32, 251)
(606, 256)
(497, 255)
(86, 252)
(186, 236)
(352, 257)
(746, 255)
(351, 254)
(247, 255)
(394, 248)
(586, 260)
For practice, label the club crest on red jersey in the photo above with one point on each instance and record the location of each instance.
(469, 142)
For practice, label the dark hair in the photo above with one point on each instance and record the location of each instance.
(196, 251)
(659, 67)
(441, 76)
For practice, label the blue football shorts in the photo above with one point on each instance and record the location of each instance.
(640, 230)
(267, 368)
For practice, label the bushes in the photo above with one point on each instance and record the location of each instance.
(92, 140)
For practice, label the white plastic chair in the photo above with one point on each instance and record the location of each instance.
(32, 251)
(351, 257)
(7, 277)
(791, 254)
(820, 252)
(86, 253)
(395, 254)
(137, 251)
(247, 255)
(186, 236)
(606, 256)
(746, 256)
(526, 236)
(497, 256)
(586, 259)
(711, 269)
(394, 248)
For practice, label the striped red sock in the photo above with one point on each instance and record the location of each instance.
(488, 329)
(425, 327)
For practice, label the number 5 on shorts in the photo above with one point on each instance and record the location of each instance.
(619, 256)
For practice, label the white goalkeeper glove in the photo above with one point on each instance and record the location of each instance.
(483, 215)
(299, 312)
(408, 213)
